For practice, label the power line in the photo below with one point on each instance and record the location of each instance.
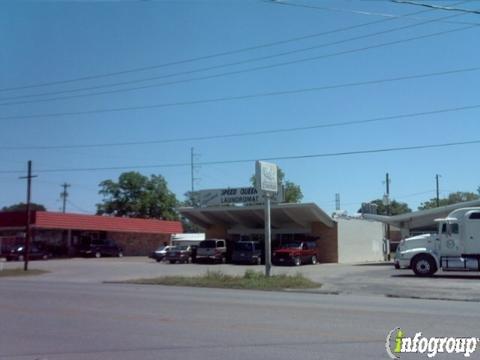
(248, 133)
(437, 7)
(210, 56)
(258, 68)
(285, 53)
(276, 158)
(243, 97)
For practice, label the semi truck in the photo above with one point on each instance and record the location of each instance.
(455, 247)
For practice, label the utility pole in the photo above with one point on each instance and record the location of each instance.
(438, 189)
(64, 196)
(193, 168)
(337, 202)
(28, 230)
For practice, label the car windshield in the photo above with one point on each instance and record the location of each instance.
(183, 247)
(207, 244)
(291, 245)
(244, 246)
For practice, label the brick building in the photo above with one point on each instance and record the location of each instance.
(64, 234)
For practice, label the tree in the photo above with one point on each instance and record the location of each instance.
(292, 192)
(188, 226)
(453, 198)
(138, 196)
(396, 207)
(23, 207)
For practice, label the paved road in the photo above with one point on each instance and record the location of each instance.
(76, 321)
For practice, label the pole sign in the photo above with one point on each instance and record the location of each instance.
(266, 177)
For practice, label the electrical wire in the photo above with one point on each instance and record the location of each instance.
(247, 133)
(210, 56)
(253, 69)
(239, 161)
(256, 59)
(243, 97)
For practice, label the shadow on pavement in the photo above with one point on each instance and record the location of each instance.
(439, 276)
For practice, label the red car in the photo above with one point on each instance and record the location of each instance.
(297, 253)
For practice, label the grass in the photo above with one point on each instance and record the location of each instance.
(250, 280)
(21, 272)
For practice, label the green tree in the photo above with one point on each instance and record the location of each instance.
(23, 207)
(138, 196)
(293, 192)
(188, 226)
(453, 198)
(396, 207)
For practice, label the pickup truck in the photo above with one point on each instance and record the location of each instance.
(296, 253)
(213, 249)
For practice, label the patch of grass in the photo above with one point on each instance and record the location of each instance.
(21, 272)
(250, 280)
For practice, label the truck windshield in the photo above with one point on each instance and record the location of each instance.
(244, 246)
(207, 244)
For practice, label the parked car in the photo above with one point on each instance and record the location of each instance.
(160, 253)
(297, 253)
(99, 248)
(247, 252)
(213, 249)
(35, 253)
(179, 253)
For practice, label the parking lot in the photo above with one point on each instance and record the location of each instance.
(360, 279)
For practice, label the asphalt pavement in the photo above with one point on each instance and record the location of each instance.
(358, 279)
(57, 320)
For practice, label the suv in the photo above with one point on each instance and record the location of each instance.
(214, 249)
(296, 253)
(99, 248)
(247, 252)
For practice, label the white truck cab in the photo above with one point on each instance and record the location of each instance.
(456, 246)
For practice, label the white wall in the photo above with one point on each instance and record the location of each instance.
(359, 240)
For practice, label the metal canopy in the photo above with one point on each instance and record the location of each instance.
(421, 219)
(283, 216)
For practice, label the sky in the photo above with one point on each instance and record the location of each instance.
(92, 73)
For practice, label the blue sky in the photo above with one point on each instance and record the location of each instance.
(45, 42)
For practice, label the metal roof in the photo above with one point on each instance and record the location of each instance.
(422, 218)
(282, 215)
(54, 220)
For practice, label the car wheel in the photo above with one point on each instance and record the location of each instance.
(158, 260)
(98, 254)
(20, 258)
(424, 265)
(189, 260)
(297, 261)
(45, 257)
(120, 254)
(224, 260)
(172, 261)
(259, 261)
(314, 260)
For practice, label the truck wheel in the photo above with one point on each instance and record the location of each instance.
(314, 260)
(424, 265)
(297, 261)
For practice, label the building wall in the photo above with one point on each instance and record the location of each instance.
(216, 232)
(327, 242)
(360, 240)
(138, 244)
